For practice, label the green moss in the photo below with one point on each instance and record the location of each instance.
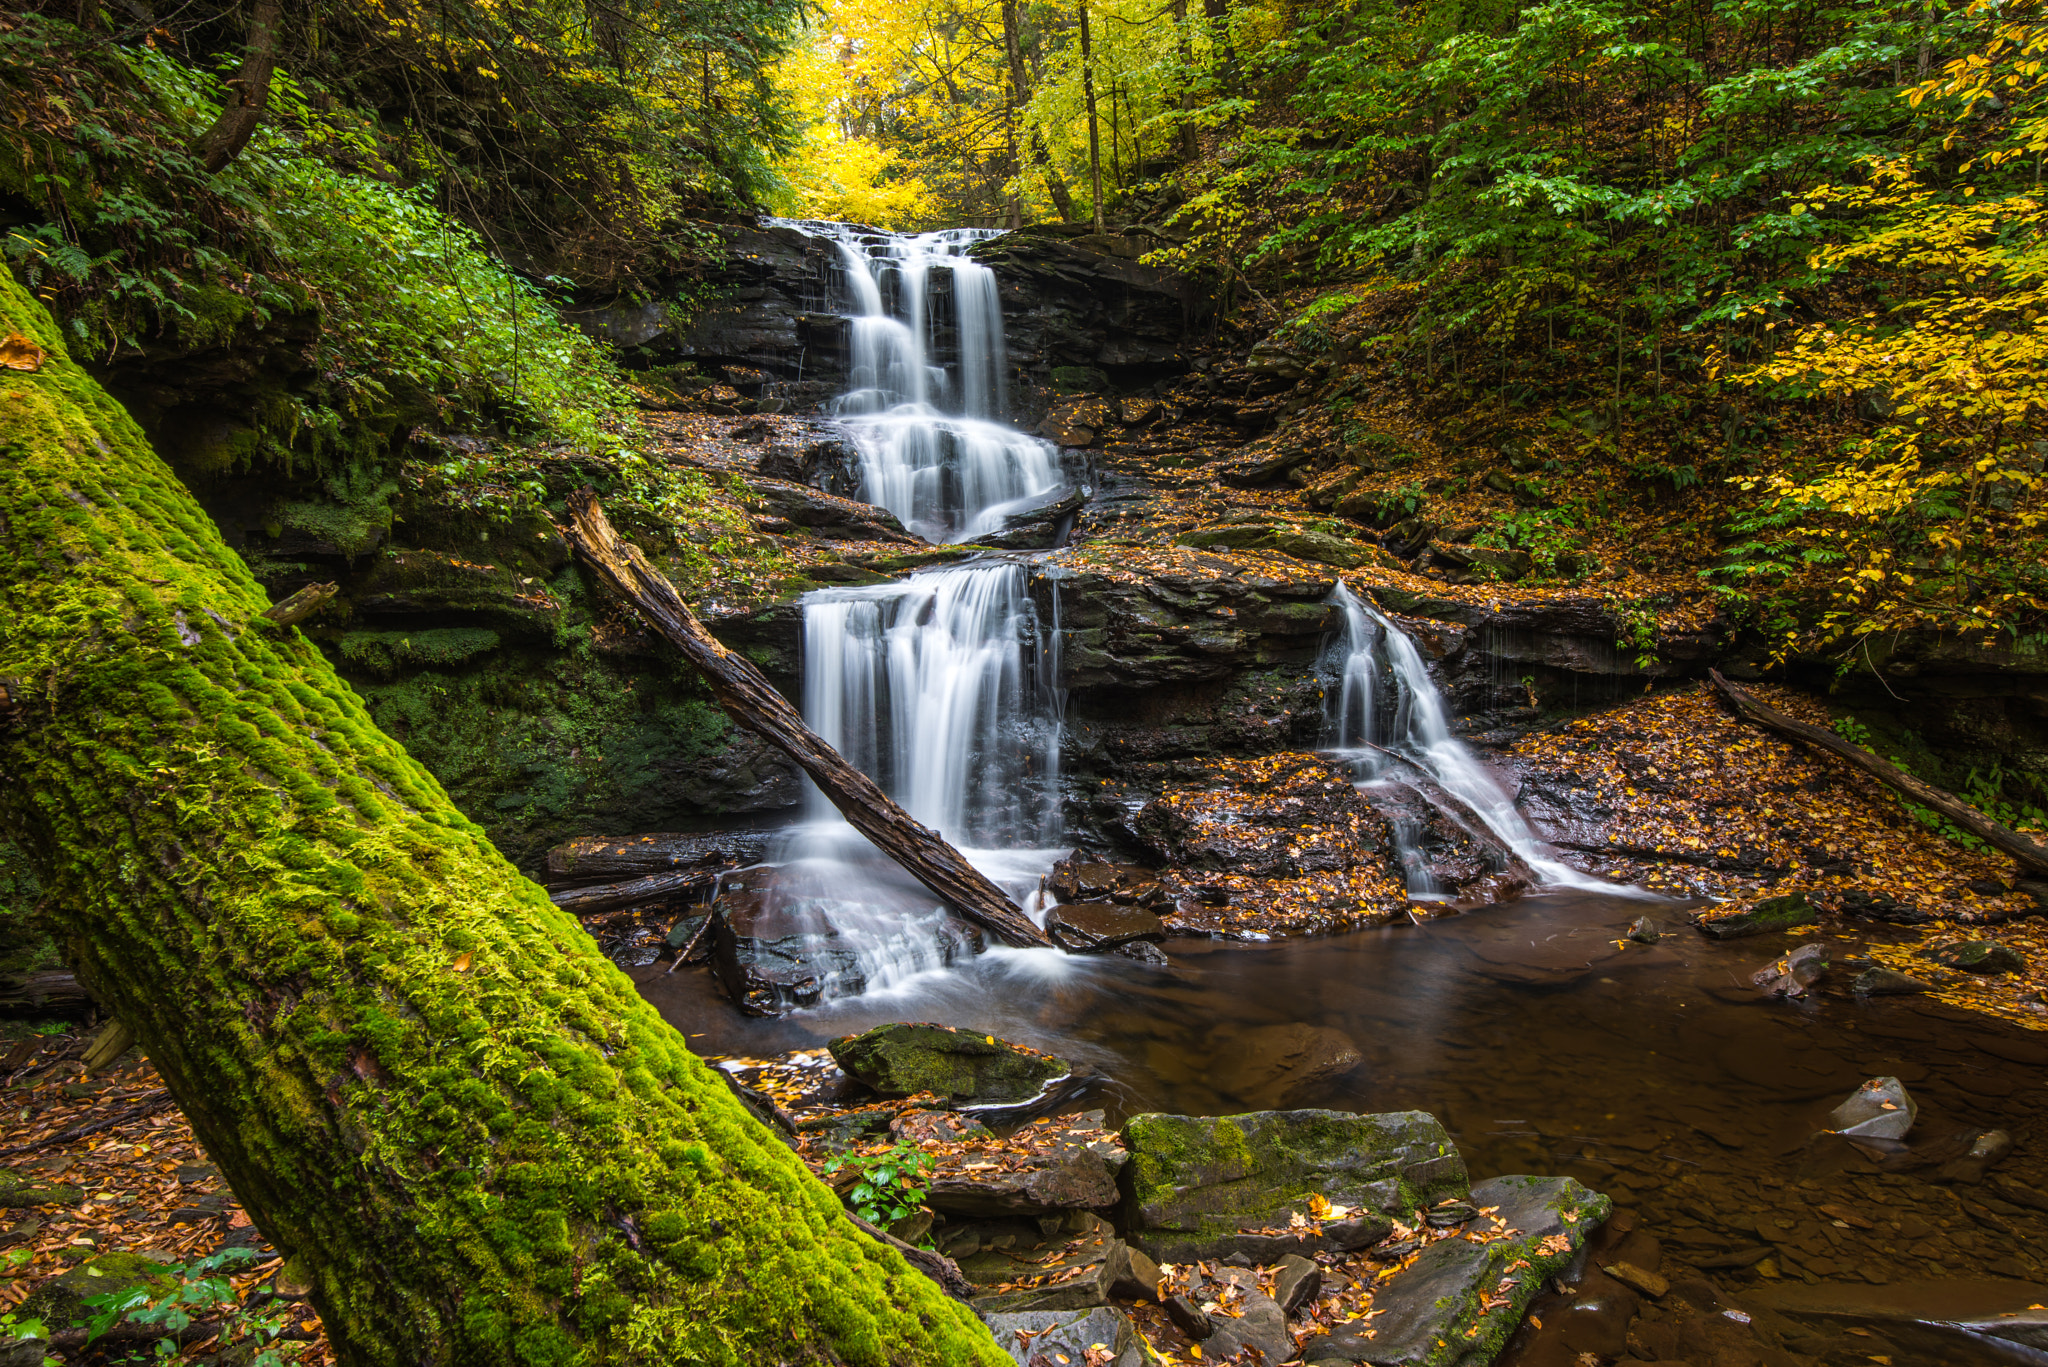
(900, 1059)
(385, 654)
(460, 1159)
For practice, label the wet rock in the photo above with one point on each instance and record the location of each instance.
(1278, 817)
(1334, 1346)
(1298, 1282)
(1261, 1325)
(1778, 913)
(1880, 1109)
(1978, 956)
(1039, 525)
(1016, 1265)
(1957, 1309)
(1987, 1147)
(1871, 906)
(1461, 1298)
(1792, 974)
(1093, 927)
(1644, 931)
(1063, 1169)
(1202, 1187)
(773, 955)
(1044, 1338)
(1144, 952)
(1140, 1279)
(1188, 1319)
(1596, 1318)
(1886, 982)
(940, 1127)
(824, 514)
(1273, 1067)
(900, 1059)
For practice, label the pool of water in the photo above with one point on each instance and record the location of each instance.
(1545, 1044)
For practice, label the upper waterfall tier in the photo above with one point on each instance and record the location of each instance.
(926, 396)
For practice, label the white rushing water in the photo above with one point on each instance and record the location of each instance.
(1370, 656)
(934, 448)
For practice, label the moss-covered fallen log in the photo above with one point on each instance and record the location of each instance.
(420, 1077)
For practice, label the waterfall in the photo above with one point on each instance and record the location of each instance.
(1368, 655)
(932, 444)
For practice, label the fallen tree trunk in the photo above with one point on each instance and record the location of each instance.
(422, 1080)
(753, 702)
(2029, 856)
(612, 858)
(49, 992)
(637, 892)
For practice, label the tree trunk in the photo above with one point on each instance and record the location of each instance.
(248, 92)
(1014, 53)
(1184, 47)
(2029, 856)
(50, 992)
(1094, 132)
(753, 702)
(1055, 183)
(421, 1079)
(655, 887)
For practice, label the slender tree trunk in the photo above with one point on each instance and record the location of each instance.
(421, 1079)
(1055, 183)
(1190, 145)
(1014, 53)
(248, 92)
(1094, 128)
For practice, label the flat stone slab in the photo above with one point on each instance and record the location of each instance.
(1091, 927)
(1205, 1187)
(1065, 1163)
(1462, 1296)
(1014, 1265)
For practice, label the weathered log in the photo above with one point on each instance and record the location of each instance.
(657, 887)
(2026, 853)
(937, 1266)
(753, 702)
(612, 858)
(50, 992)
(301, 605)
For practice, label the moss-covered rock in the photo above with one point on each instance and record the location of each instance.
(1319, 547)
(20, 1190)
(60, 1302)
(1779, 913)
(900, 1059)
(1207, 1186)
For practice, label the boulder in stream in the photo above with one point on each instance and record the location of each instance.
(1276, 1066)
(1202, 1187)
(903, 1058)
(1094, 927)
(1887, 982)
(1791, 974)
(1461, 1298)
(1978, 956)
(1880, 1109)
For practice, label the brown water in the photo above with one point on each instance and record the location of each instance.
(1654, 1073)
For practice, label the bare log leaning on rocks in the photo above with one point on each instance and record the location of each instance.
(592, 859)
(46, 992)
(753, 702)
(2030, 856)
(634, 892)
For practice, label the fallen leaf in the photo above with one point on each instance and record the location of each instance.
(462, 964)
(21, 353)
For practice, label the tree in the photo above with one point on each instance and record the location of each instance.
(420, 1078)
(231, 131)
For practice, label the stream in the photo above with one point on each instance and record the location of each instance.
(1544, 1040)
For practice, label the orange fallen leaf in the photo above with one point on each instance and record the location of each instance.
(21, 353)
(462, 964)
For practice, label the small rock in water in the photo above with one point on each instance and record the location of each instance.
(1636, 1278)
(1092, 927)
(901, 1059)
(1144, 952)
(1986, 1148)
(1644, 931)
(1791, 975)
(1278, 1066)
(1880, 1109)
(1887, 982)
(1978, 956)
(1049, 1335)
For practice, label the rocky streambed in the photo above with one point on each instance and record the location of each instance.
(1533, 1038)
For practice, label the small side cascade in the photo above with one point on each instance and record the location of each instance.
(933, 447)
(1385, 710)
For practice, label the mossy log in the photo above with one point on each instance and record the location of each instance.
(747, 696)
(421, 1078)
(2029, 855)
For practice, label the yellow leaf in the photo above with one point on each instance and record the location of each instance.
(21, 353)
(462, 964)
